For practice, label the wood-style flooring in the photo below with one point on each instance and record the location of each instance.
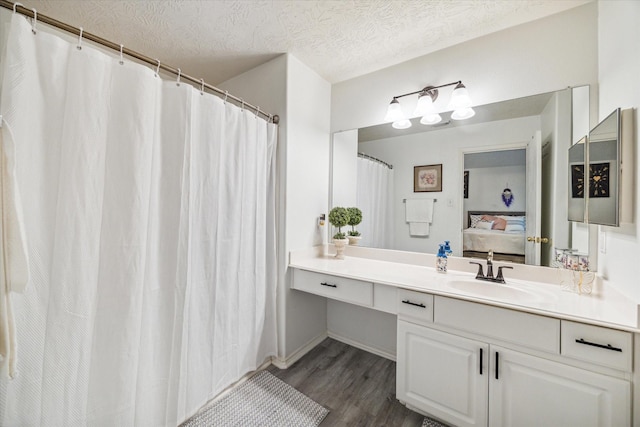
(356, 386)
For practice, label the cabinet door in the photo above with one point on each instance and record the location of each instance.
(529, 391)
(442, 375)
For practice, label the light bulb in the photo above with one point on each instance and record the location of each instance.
(424, 106)
(463, 113)
(431, 119)
(460, 97)
(402, 124)
(394, 112)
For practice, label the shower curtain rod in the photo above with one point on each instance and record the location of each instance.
(111, 45)
(366, 156)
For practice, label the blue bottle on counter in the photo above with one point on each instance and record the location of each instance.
(441, 260)
(447, 248)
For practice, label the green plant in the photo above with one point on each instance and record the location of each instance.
(339, 217)
(355, 218)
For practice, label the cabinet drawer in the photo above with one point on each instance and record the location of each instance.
(602, 346)
(415, 306)
(525, 329)
(340, 288)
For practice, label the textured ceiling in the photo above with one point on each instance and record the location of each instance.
(219, 39)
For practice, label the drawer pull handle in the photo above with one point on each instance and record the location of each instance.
(329, 285)
(480, 361)
(497, 364)
(414, 303)
(593, 344)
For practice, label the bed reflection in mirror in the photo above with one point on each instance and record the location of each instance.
(495, 206)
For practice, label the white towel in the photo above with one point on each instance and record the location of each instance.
(14, 261)
(419, 215)
(419, 210)
(419, 229)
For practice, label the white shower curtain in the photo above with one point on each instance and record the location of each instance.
(149, 211)
(374, 197)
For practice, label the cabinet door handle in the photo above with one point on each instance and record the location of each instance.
(593, 344)
(497, 356)
(329, 285)
(414, 303)
(480, 361)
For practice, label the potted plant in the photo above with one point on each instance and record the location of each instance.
(355, 218)
(339, 217)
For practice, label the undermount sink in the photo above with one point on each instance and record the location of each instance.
(481, 288)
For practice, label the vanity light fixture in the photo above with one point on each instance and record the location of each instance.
(460, 102)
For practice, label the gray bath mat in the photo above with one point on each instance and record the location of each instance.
(428, 422)
(263, 400)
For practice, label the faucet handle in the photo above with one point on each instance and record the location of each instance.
(480, 274)
(499, 276)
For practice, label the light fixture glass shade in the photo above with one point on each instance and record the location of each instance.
(463, 113)
(424, 106)
(402, 124)
(460, 97)
(394, 112)
(431, 119)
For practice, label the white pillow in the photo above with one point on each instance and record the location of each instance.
(515, 224)
(484, 225)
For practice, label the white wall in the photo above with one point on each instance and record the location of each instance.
(486, 186)
(307, 190)
(344, 168)
(541, 56)
(354, 324)
(619, 79)
(286, 87)
(444, 146)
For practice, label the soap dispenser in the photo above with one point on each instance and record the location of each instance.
(447, 248)
(441, 260)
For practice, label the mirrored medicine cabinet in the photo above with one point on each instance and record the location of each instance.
(597, 193)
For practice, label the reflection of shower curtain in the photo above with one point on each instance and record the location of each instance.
(374, 197)
(149, 217)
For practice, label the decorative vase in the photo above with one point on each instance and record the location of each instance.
(340, 244)
(354, 240)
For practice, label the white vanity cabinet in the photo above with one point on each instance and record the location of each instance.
(442, 374)
(472, 379)
(531, 391)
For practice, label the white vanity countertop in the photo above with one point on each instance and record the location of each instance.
(604, 307)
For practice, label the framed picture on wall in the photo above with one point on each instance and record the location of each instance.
(466, 184)
(427, 178)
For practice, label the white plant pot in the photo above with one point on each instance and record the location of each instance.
(340, 244)
(354, 240)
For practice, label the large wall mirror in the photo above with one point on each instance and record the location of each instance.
(504, 170)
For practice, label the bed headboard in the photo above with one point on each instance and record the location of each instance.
(493, 213)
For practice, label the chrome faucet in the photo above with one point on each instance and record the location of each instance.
(489, 277)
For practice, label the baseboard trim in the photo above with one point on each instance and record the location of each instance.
(284, 363)
(361, 346)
